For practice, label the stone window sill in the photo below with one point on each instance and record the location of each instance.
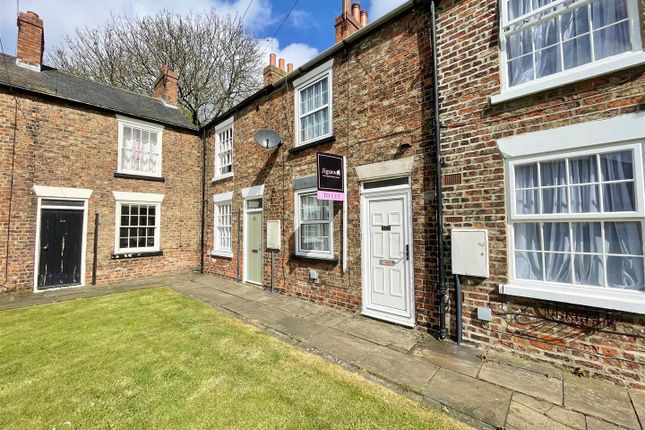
(134, 255)
(139, 177)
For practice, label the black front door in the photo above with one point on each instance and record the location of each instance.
(61, 242)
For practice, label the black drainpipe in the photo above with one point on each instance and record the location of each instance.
(441, 289)
(203, 220)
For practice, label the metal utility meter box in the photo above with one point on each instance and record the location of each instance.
(274, 235)
(470, 252)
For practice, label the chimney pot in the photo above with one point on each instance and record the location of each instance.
(364, 18)
(356, 12)
(282, 65)
(346, 7)
(31, 40)
(272, 59)
(167, 86)
(289, 68)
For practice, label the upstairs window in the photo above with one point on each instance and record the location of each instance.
(542, 38)
(224, 150)
(139, 148)
(314, 105)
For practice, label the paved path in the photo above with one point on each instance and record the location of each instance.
(485, 389)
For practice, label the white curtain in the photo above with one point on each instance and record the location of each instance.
(618, 166)
(535, 52)
(584, 198)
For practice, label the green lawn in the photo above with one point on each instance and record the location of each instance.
(154, 359)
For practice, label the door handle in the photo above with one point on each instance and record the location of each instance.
(45, 247)
(255, 251)
(407, 252)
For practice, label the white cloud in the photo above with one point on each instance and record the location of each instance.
(378, 8)
(61, 17)
(296, 53)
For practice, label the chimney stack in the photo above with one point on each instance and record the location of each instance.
(167, 86)
(273, 73)
(351, 19)
(31, 40)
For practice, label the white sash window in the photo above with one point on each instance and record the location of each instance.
(542, 40)
(314, 226)
(139, 148)
(224, 150)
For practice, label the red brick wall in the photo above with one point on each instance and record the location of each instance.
(381, 99)
(65, 145)
(469, 63)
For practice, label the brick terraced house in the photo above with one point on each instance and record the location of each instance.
(539, 206)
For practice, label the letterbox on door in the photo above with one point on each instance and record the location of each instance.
(470, 252)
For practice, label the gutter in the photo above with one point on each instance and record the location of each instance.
(441, 289)
(354, 37)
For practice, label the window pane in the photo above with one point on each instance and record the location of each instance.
(612, 40)
(547, 62)
(527, 237)
(517, 8)
(625, 272)
(554, 200)
(575, 23)
(589, 270)
(526, 202)
(520, 44)
(587, 237)
(313, 209)
(619, 197)
(556, 237)
(528, 265)
(314, 237)
(520, 70)
(583, 170)
(585, 199)
(545, 34)
(624, 238)
(606, 12)
(526, 176)
(577, 52)
(553, 173)
(617, 166)
(558, 267)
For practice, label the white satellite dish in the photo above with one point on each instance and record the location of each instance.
(268, 139)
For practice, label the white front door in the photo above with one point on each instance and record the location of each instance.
(387, 259)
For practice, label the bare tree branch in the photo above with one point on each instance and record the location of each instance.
(218, 62)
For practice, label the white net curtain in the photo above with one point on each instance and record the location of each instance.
(574, 33)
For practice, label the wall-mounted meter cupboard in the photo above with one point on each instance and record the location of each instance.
(274, 235)
(470, 252)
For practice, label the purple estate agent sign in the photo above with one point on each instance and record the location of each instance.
(331, 177)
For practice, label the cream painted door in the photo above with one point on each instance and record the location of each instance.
(254, 247)
(387, 287)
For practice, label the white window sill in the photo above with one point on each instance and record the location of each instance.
(604, 298)
(222, 177)
(609, 65)
(224, 254)
(304, 256)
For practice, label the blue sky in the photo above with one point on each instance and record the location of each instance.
(308, 31)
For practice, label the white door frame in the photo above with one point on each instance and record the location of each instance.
(368, 309)
(66, 194)
(252, 193)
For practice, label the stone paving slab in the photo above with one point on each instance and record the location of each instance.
(596, 424)
(329, 317)
(572, 419)
(404, 369)
(340, 344)
(450, 355)
(600, 399)
(382, 334)
(523, 381)
(533, 366)
(476, 398)
(522, 417)
(638, 399)
(297, 327)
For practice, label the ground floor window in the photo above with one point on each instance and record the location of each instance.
(577, 219)
(138, 222)
(223, 227)
(314, 226)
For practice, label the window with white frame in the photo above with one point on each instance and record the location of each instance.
(224, 150)
(314, 226)
(138, 227)
(314, 105)
(577, 219)
(139, 148)
(223, 227)
(541, 38)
